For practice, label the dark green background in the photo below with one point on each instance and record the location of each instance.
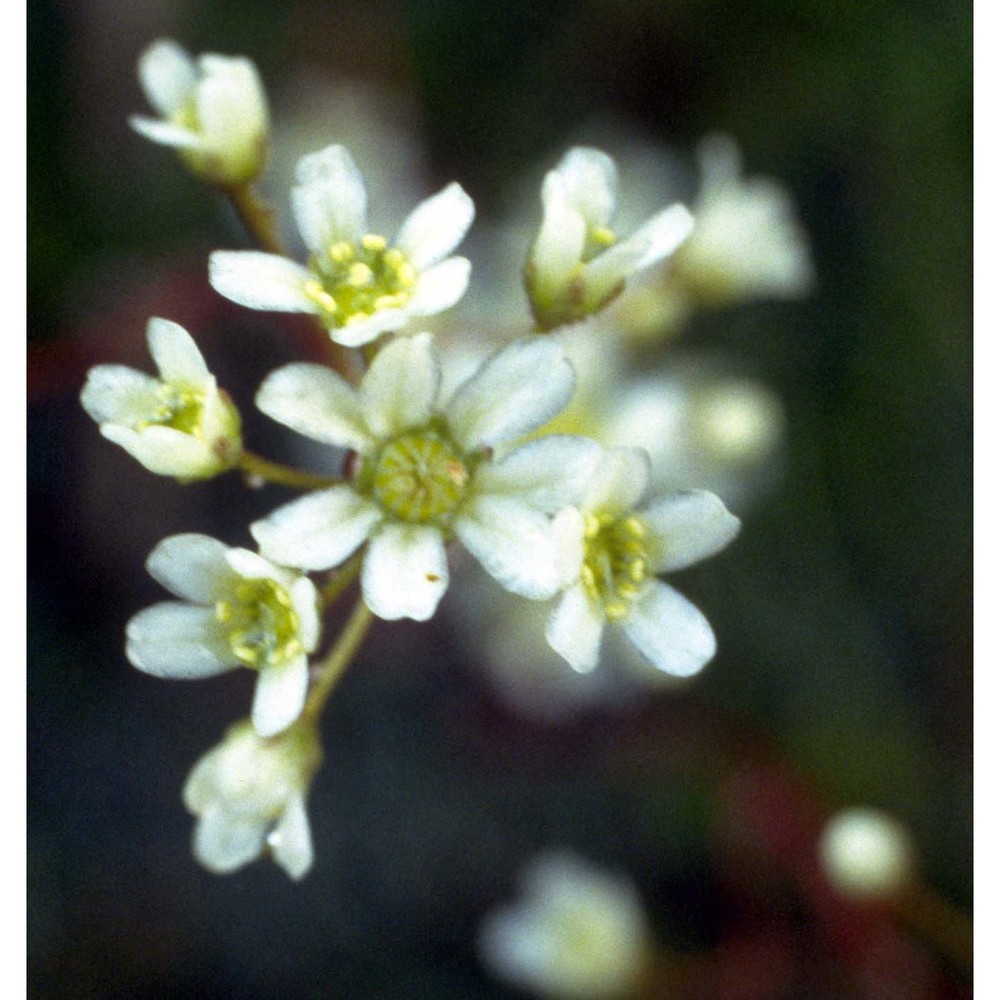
(844, 611)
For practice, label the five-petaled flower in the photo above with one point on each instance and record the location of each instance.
(612, 553)
(424, 472)
(238, 609)
(214, 111)
(178, 425)
(249, 794)
(357, 283)
(577, 264)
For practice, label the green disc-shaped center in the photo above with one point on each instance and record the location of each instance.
(419, 477)
(263, 628)
(616, 561)
(179, 408)
(353, 281)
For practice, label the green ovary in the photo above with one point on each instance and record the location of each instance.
(355, 281)
(263, 628)
(418, 477)
(178, 408)
(616, 562)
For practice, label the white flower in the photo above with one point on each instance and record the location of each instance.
(866, 854)
(746, 243)
(613, 551)
(358, 284)
(249, 793)
(578, 933)
(238, 610)
(178, 425)
(577, 264)
(214, 111)
(424, 472)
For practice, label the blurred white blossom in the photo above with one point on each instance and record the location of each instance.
(576, 933)
(249, 794)
(357, 283)
(238, 609)
(866, 853)
(180, 424)
(213, 111)
(578, 264)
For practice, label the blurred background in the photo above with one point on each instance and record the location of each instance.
(843, 611)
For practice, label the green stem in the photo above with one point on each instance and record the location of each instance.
(338, 659)
(257, 217)
(284, 475)
(340, 580)
(939, 922)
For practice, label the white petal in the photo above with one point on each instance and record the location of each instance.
(225, 841)
(192, 566)
(279, 696)
(405, 572)
(558, 248)
(618, 481)
(670, 631)
(547, 473)
(517, 390)
(436, 226)
(515, 544)
(176, 354)
(116, 394)
(440, 287)
(575, 628)
(291, 840)
(232, 107)
(591, 180)
(166, 451)
(305, 603)
(361, 332)
(329, 201)
(178, 641)
(688, 527)
(166, 133)
(315, 401)
(317, 531)
(261, 280)
(401, 387)
(168, 76)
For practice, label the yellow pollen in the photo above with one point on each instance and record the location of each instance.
(359, 274)
(615, 563)
(374, 243)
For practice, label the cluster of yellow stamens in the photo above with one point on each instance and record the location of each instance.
(263, 625)
(178, 408)
(354, 281)
(615, 562)
(418, 477)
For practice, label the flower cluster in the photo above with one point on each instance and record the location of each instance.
(552, 515)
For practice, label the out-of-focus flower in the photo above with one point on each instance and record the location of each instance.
(213, 111)
(577, 264)
(613, 552)
(577, 933)
(746, 243)
(180, 424)
(425, 473)
(356, 283)
(866, 854)
(238, 610)
(249, 794)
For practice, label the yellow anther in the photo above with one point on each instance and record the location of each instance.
(638, 570)
(394, 258)
(591, 526)
(635, 526)
(602, 236)
(374, 243)
(407, 274)
(341, 253)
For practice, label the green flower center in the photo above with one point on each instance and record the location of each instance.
(616, 561)
(355, 281)
(179, 408)
(263, 625)
(419, 477)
